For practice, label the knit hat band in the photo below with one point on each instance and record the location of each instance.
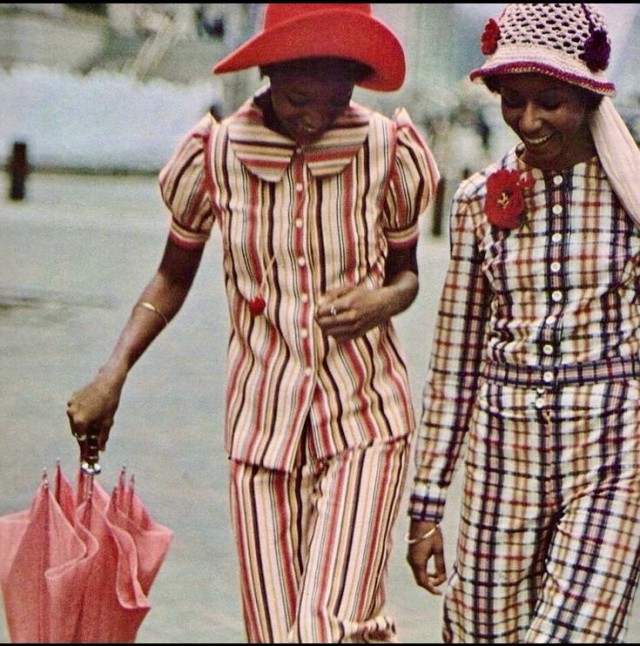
(520, 59)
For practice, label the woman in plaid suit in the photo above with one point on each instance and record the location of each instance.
(535, 371)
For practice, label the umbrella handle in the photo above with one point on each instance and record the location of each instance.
(90, 464)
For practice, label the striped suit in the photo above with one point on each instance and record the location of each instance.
(302, 410)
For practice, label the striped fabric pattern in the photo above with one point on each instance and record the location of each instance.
(314, 545)
(296, 222)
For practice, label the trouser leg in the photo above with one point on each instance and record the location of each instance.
(550, 525)
(592, 565)
(269, 517)
(342, 594)
(314, 545)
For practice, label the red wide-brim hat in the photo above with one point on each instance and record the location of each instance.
(295, 31)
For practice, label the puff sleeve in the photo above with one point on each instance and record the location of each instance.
(184, 183)
(413, 183)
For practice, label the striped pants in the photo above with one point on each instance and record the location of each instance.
(314, 544)
(549, 537)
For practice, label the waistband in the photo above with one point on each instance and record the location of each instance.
(618, 369)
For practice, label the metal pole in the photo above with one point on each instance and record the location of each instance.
(18, 170)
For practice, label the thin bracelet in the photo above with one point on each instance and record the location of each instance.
(152, 308)
(419, 539)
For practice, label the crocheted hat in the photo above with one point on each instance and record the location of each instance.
(314, 30)
(568, 41)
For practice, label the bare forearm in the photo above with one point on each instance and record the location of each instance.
(401, 283)
(159, 302)
(401, 290)
(92, 409)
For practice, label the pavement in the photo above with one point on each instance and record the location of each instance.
(75, 254)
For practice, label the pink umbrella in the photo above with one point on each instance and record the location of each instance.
(152, 540)
(42, 571)
(78, 566)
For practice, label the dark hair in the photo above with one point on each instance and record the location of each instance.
(328, 65)
(591, 99)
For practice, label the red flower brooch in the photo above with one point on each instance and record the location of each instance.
(504, 205)
(490, 37)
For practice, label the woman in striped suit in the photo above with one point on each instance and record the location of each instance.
(317, 199)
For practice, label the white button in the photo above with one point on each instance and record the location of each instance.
(556, 237)
(547, 377)
(307, 372)
(304, 333)
(304, 298)
(299, 187)
(551, 320)
(540, 402)
(299, 223)
(555, 266)
(557, 180)
(557, 209)
(557, 296)
(301, 261)
(547, 348)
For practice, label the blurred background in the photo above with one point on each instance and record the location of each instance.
(113, 86)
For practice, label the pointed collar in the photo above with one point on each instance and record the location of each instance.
(267, 153)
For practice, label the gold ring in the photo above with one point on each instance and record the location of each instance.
(333, 311)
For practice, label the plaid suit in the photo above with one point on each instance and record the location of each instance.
(533, 385)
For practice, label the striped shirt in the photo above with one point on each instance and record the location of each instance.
(557, 296)
(295, 223)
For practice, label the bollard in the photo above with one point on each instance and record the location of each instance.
(438, 208)
(18, 170)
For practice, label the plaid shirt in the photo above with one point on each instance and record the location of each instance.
(295, 223)
(559, 291)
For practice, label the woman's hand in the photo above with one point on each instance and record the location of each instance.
(350, 311)
(422, 550)
(91, 412)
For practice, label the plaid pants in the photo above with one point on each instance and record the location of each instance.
(314, 544)
(549, 540)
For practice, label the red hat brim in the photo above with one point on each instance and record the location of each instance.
(339, 33)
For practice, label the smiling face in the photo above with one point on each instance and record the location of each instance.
(550, 118)
(307, 99)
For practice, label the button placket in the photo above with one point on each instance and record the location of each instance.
(541, 402)
(549, 342)
(304, 287)
(556, 224)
